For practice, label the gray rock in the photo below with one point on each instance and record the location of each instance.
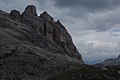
(46, 16)
(34, 48)
(30, 10)
(56, 38)
(15, 14)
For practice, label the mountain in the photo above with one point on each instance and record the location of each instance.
(110, 62)
(34, 47)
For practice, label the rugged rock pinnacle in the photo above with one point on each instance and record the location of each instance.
(30, 10)
(34, 47)
(46, 16)
(15, 14)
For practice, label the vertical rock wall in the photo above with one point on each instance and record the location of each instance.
(46, 33)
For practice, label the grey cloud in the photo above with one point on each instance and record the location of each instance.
(105, 20)
(99, 21)
(97, 46)
(104, 13)
(86, 4)
(8, 5)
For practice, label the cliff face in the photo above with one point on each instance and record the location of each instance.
(54, 36)
(34, 47)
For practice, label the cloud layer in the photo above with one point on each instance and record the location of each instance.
(93, 24)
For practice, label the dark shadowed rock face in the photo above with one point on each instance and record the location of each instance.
(46, 16)
(34, 48)
(15, 14)
(56, 38)
(30, 10)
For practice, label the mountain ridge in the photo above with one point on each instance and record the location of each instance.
(110, 62)
(34, 47)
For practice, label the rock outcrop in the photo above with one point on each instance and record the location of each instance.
(51, 32)
(15, 14)
(34, 47)
(30, 10)
(46, 16)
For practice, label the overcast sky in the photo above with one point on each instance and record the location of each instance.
(93, 24)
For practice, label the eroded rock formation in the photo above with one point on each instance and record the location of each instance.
(34, 47)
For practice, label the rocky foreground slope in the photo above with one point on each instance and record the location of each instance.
(34, 47)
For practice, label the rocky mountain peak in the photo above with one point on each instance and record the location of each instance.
(33, 47)
(46, 33)
(15, 14)
(46, 16)
(30, 10)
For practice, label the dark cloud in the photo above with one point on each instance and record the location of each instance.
(87, 4)
(103, 12)
(98, 45)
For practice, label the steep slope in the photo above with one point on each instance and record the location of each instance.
(34, 47)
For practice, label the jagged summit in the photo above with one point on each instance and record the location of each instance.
(46, 16)
(30, 10)
(45, 32)
(34, 47)
(15, 14)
